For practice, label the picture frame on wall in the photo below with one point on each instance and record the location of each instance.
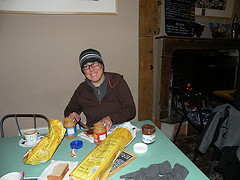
(211, 8)
(59, 6)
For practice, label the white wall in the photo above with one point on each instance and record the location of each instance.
(39, 68)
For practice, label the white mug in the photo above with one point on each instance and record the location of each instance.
(31, 136)
(13, 176)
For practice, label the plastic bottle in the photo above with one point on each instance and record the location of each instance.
(99, 132)
(70, 125)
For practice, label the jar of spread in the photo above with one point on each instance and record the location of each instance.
(148, 133)
(70, 125)
(99, 132)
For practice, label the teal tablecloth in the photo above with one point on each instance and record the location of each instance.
(11, 155)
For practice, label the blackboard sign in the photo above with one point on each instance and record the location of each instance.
(179, 17)
(123, 159)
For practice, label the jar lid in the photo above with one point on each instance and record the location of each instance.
(140, 148)
(77, 144)
(148, 126)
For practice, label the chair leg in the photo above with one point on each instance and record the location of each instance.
(210, 173)
(183, 109)
(195, 157)
(178, 130)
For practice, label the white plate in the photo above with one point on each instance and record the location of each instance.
(24, 143)
(49, 169)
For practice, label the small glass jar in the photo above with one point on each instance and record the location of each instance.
(99, 132)
(148, 133)
(70, 125)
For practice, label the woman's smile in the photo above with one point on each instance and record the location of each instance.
(95, 74)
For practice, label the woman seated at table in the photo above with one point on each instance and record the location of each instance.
(103, 96)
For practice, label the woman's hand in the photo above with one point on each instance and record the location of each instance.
(108, 122)
(75, 116)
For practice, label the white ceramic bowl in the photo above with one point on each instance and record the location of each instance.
(12, 176)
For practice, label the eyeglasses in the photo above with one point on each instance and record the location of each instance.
(93, 65)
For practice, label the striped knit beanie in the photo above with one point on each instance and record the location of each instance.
(90, 55)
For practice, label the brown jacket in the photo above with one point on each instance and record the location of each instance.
(117, 103)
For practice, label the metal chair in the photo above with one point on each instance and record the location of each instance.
(18, 116)
(197, 98)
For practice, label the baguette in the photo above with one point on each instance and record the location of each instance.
(59, 172)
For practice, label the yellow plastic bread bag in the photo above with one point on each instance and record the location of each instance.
(44, 150)
(101, 159)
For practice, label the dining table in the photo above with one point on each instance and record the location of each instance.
(163, 149)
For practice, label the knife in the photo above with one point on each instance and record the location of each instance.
(83, 125)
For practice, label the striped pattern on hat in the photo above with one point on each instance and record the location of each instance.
(89, 55)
